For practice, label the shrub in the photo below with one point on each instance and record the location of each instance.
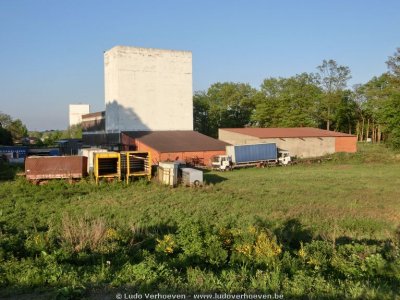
(166, 244)
(358, 261)
(201, 244)
(255, 245)
(82, 233)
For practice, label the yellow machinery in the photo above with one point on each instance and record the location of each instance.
(135, 164)
(107, 165)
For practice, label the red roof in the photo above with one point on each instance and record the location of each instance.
(296, 132)
(95, 114)
(177, 141)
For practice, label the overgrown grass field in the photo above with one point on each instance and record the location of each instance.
(328, 230)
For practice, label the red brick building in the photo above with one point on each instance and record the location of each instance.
(189, 146)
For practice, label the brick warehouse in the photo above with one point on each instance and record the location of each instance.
(189, 146)
(301, 141)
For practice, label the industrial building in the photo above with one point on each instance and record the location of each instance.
(94, 122)
(189, 146)
(75, 113)
(186, 145)
(147, 89)
(149, 107)
(13, 154)
(301, 142)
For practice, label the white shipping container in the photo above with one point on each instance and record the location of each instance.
(168, 173)
(88, 152)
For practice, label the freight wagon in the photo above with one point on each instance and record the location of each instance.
(106, 165)
(38, 168)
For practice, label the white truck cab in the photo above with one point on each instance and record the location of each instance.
(284, 158)
(222, 162)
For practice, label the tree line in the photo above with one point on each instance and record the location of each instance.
(321, 99)
(50, 137)
(13, 131)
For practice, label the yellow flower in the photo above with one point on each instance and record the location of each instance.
(166, 245)
(266, 247)
(245, 249)
(111, 234)
(252, 229)
(302, 253)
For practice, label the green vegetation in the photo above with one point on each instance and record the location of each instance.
(328, 230)
(11, 130)
(322, 99)
(8, 171)
(49, 138)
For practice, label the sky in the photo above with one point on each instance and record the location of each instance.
(51, 52)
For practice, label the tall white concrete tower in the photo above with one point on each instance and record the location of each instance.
(76, 111)
(148, 89)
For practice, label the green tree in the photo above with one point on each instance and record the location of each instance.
(201, 114)
(360, 112)
(73, 132)
(393, 63)
(391, 117)
(17, 129)
(391, 111)
(345, 118)
(332, 80)
(5, 137)
(225, 104)
(288, 102)
(5, 120)
(50, 137)
(382, 108)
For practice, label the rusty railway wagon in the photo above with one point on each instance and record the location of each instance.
(41, 168)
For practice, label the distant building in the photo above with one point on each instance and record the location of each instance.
(148, 89)
(75, 113)
(31, 140)
(94, 122)
(13, 154)
(300, 141)
(69, 146)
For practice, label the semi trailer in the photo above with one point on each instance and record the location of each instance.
(251, 155)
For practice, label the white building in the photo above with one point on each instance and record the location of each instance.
(76, 111)
(148, 89)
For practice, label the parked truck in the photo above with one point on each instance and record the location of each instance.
(251, 155)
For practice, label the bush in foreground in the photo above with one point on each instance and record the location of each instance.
(194, 257)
